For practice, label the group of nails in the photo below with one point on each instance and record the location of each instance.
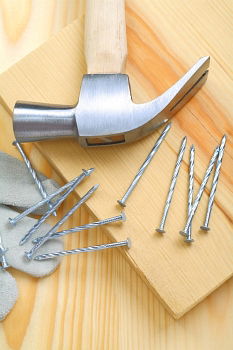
(54, 232)
(216, 160)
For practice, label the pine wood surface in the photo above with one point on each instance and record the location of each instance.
(43, 76)
(126, 314)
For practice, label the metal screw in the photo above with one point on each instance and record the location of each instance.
(205, 226)
(201, 190)
(188, 238)
(3, 260)
(56, 205)
(84, 250)
(172, 185)
(120, 217)
(34, 174)
(144, 166)
(19, 217)
(47, 236)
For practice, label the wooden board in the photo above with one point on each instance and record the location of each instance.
(177, 287)
(98, 301)
(27, 24)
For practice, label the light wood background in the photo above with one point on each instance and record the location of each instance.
(43, 76)
(103, 303)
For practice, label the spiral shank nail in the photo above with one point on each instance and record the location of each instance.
(201, 189)
(33, 173)
(56, 205)
(19, 217)
(173, 183)
(48, 235)
(191, 178)
(85, 227)
(144, 165)
(191, 183)
(215, 182)
(83, 250)
(188, 238)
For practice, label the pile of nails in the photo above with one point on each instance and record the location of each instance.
(54, 232)
(216, 159)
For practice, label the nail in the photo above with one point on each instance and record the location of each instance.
(47, 236)
(121, 217)
(19, 217)
(201, 190)
(84, 250)
(172, 185)
(33, 174)
(189, 238)
(3, 260)
(190, 190)
(56, 205)
(205, 226)
(123, 200)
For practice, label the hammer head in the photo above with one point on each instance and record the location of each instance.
(105, 113)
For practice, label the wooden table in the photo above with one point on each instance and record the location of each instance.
(108, 305)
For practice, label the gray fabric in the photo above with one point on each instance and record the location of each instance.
(11, 236)
(17, 187)
(8, 293)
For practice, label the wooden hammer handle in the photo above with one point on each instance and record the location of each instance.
(105, 36)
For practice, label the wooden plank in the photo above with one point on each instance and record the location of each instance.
(27, 24)
(203, 120)
(98, 301)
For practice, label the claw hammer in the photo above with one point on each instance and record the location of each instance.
(105, 113)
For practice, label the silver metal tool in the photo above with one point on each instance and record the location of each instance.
(56, 205)
(19, 217)
(201, 190)
(3, 251)
(121, 217)
(93, 248)
(205, 226)
(33, 173)
(47, 236)
(188, 238)
(105, 113)
(172, 185)
(142, 169)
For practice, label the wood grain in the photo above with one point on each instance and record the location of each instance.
(177, 288)
(125, 314)
(25, 24)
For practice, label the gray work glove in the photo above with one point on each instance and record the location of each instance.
(18, 190)
(17, 187)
